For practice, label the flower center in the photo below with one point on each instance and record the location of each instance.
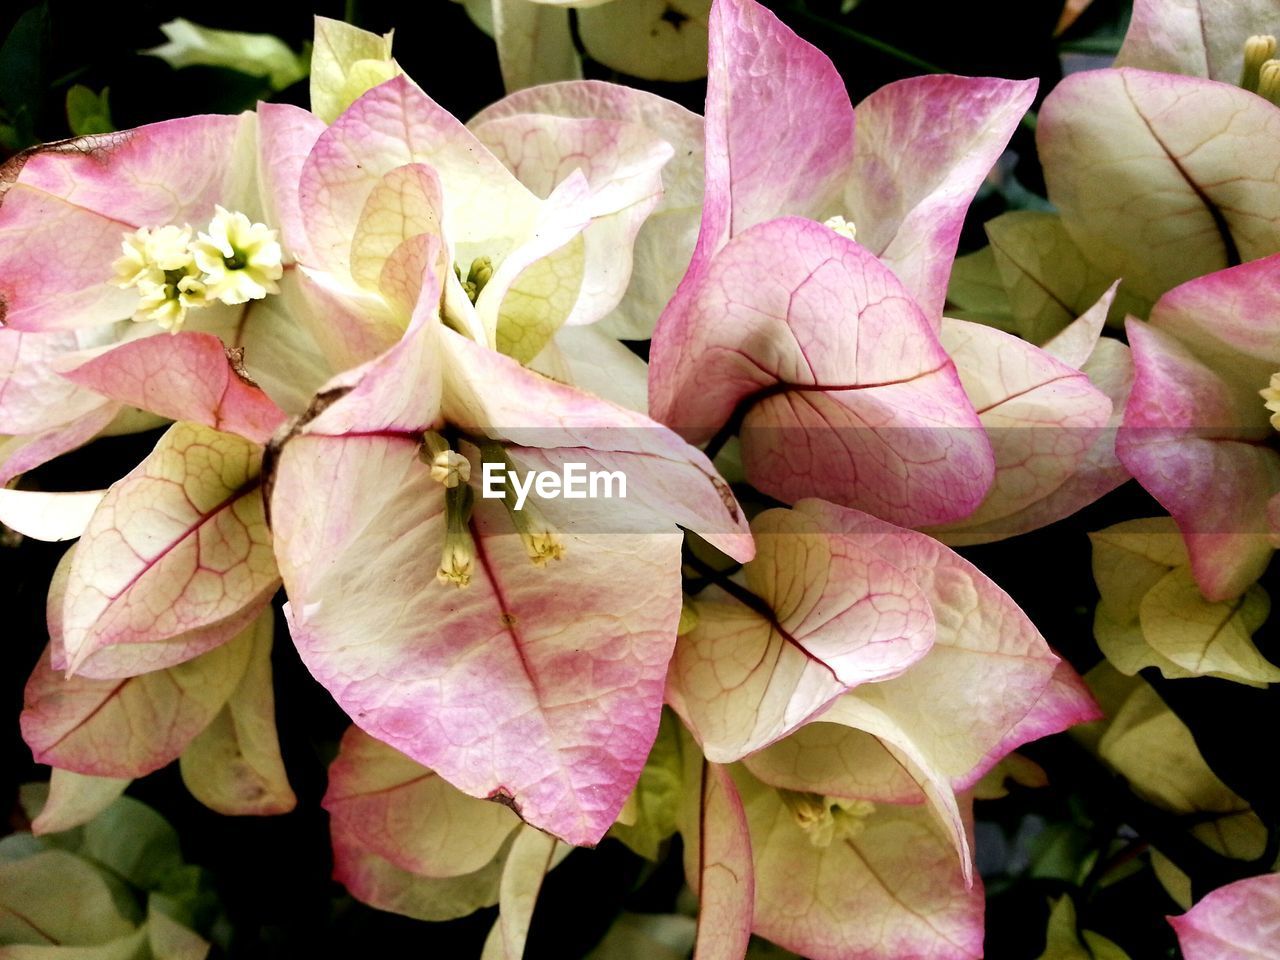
(480, 273)
(1271, 397)
(826, 819)
(234, 261)
(1261, 72)
(842, 226)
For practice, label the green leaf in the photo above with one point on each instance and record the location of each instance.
(54, 897)
(88, 112)
(256, 54)
(1065, 941)
(653, 804)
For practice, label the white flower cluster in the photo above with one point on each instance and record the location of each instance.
(234, 261)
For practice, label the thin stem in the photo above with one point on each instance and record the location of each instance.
(736, 590)
(857, 36)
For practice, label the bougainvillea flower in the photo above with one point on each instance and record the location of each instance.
(882, 428)
(1197, 433)
(753, 671)
(551, 626)
(138, 207)
(405, 840)
(177, 557)
(1241, 920)
(557, 118)
(161, 609)
(1051, 415)
(1151, 613)
(515, 268)
(826, 876)
(649, 39)
(1193, 37)
(839, 387)
(820, 616)
(121, 729)
(1150, 183)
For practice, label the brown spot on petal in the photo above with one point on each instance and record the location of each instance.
(726, 497)
(98, 147)
(235, 357)
(508, 619)
(504, 796)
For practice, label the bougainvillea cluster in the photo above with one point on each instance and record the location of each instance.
(346, 319)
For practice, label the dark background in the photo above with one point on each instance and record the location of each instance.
(272, 875)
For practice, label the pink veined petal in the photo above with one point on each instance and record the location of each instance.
(187, 376)
(1240, 921)
(33, 396)
(840, 386)
(72, 202)
(779, 142)
(1194, 37)
(490, 394)
(665, 242)
(392, 125)
(622, 163)
(504, 687)
(407, 814)
(1229, 319)
(1042, 416)
(834, 616)
(1188, 441)
(964, 726)
(127, 727)
(891, 890)
(178, 549)
(718, 849)
(286, 136)
(779, 124)
(924, 146)
(22, 453)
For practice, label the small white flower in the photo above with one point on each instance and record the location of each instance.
(842, 226)
(241, 260)
(1271, 396)
(148, 254)
(167, 300)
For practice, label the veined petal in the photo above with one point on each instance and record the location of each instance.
(233, 766)
(665, 242)
(177, 550)
(187, 376)
(924, 146)
(1190, 440)
(396, 124)
(892, 890)
(407, 814)
(1161, 178)
(964, 727)
(535, 44)
(492, 395)
(1043, 417)
(130, 727)
(833, 616)
(70, 203)
(1194, 37)
(834, 373)
(1240, 920)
